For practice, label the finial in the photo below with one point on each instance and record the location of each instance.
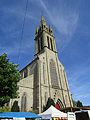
(42, 18)
(43, 22)
(50, 30)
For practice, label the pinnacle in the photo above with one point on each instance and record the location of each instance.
(42, 18)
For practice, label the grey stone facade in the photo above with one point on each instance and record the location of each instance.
(45, 76)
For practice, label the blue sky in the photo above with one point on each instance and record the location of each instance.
(70, 20)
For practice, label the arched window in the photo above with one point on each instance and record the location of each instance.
(48, 42)
(53, 74)
(51, 44)
(23, 102)
(25, 72)
(44, 71)
(41, 43)
(45, 97)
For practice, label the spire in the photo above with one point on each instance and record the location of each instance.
(42, 18)
(43, 22)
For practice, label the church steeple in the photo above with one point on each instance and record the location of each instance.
(43, 22)
(45, 75)
(44, 38)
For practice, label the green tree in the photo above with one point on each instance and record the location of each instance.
(5, 109)
(74, 103)
(9, 76)
(79, 104)
(50, 102)
(15, 107)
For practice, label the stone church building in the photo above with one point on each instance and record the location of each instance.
(45, 76)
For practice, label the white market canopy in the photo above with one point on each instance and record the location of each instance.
(52, 112)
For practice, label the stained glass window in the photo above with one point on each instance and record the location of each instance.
(53, 73)
(44, 78)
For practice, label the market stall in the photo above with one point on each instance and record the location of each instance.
(18, 115)
(53, 113)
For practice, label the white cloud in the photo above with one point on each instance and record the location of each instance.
(78, 71)
(79, 82)
(12, 31)
(17, 47)
(18, 11)
(66, 24)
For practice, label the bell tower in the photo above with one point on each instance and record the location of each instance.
(44, 38)
(45, 76)
(52, 80)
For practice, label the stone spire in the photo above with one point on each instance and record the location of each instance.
(43, 22)
(42, 18)
(44, 38)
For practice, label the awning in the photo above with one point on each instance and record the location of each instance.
(52, 112)
(18, 115)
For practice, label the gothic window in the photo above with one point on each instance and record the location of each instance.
(21, 75)
(45, 97)
(38, 45)
(48, 42)
(44, 72)
(25, 73)
(35, 75)
(23, 102)
(53, 74)
(51, 44)
(41, 43)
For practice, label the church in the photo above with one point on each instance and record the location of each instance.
(45, 76)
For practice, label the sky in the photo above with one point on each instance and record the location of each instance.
(70, 21)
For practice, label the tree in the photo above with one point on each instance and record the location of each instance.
(50, 102)
(79, 104)
(74, 103)
(9, 76)
(15, 107)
